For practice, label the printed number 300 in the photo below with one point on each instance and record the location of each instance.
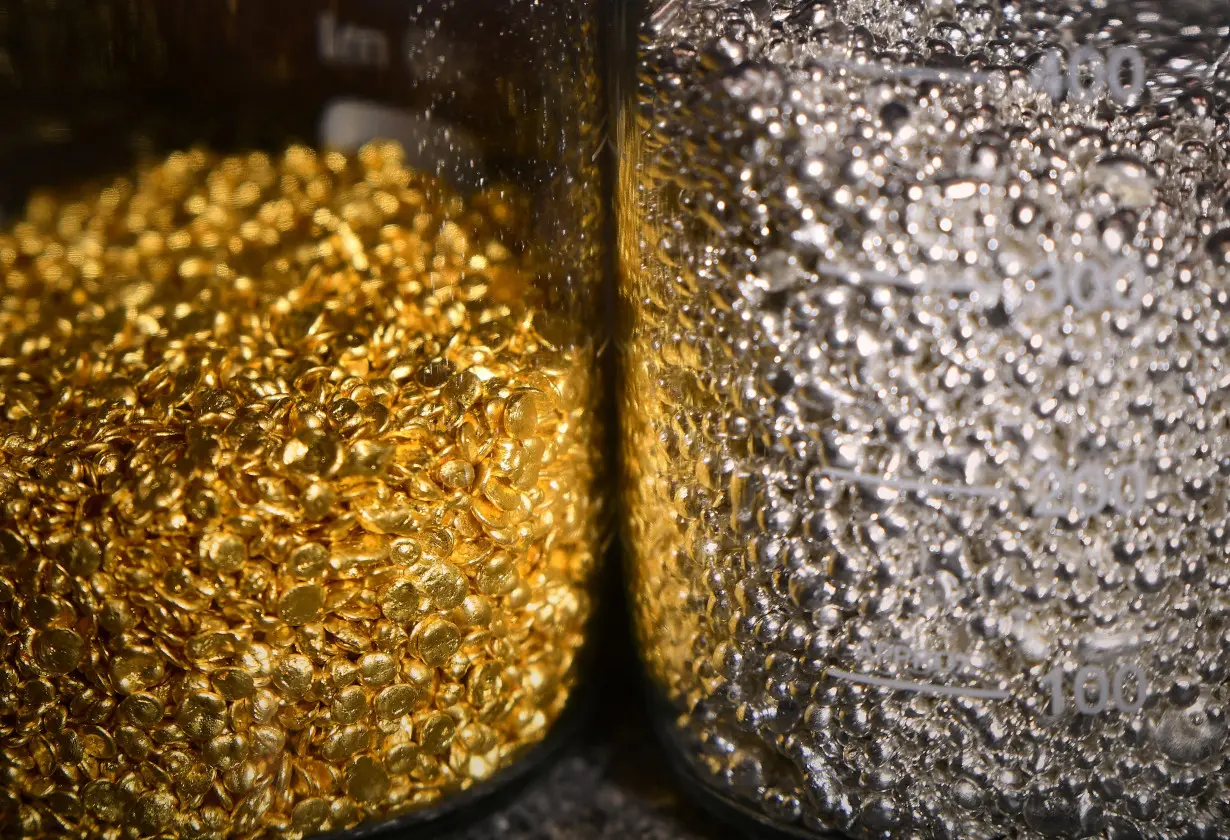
(1089, 287)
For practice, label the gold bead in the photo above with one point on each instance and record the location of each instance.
(269, 504)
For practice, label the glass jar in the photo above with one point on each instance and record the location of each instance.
(299, 408)
(925, 413)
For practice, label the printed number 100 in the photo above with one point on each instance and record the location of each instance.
(1095, 691)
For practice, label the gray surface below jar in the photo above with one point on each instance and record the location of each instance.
(614, 785)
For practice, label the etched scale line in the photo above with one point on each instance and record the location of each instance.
(902, 484)
(903, 281)
(918, 687)
(909, 74)
(868, 275)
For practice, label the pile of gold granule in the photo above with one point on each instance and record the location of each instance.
(296, 509)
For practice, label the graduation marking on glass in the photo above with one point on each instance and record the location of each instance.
(926, 324)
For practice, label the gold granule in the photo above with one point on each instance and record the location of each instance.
(293, 483)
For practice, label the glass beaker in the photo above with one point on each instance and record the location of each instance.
(299, 407)
(924, 410)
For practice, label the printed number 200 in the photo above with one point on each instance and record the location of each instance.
(1091, 488)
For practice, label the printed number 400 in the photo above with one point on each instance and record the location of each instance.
(1087, 74)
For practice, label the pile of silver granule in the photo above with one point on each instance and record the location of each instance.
(927, 410)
